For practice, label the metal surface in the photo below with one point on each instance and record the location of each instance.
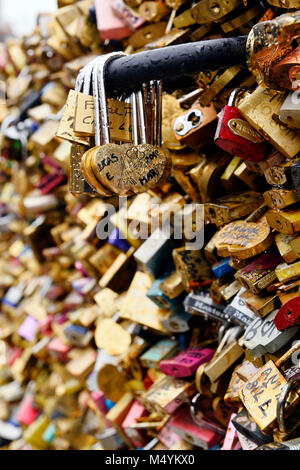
(174, 61)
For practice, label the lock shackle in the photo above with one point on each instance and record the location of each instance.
(288, 354)
(87, 76)
(281, 404)
(141, 116)
(202, 421)
(79, 80)
(135, 122)
(230, 335)
(84, 77)
(233, 96)
(158, 113)
(102, 130)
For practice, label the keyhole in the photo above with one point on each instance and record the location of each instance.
(215, 8)
(212, 212)
(194, 118)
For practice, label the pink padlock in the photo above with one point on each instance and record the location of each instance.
(168, 437)
(45, 325)
(108, 24)
(137, 436)
(231, 437)
(58, 349)
(12, 353)
(29, 328)
(99, 398)
(183, 425)
(127, 15)
(27, 413)
(186, 362)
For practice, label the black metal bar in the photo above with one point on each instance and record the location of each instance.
(174, 61)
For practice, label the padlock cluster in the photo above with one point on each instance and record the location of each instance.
(149, 248)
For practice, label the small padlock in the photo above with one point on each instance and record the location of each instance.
(153, 11)
(236, 136)
(288, 314)
(195, 126)
(290, 111)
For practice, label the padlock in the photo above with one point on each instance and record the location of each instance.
(284, 3)
(137, 436)
(191, 265)
(261, 304)
(205, 12)
(177, 322)
(195, 126)
(258, 108)
(132, 20)
(86, 166)
(262, 335)
(153, 11)
(203, 416)
(259, 273)
(110, 26)
(235, 135)
(127, 167)
(284, 221)
(158, 297)
(232, 207)
(268, 43)
(222, 360)
(287, 428)
(186, 362)
(247, 427)
(288, 314)
(238, 312)
(201, 303)
(150, 315)
(286, 71)
(261, 393)
(162, 350)
(254, 238)
(279, 198)
(167, 394)
(289, 111)
(183, 424)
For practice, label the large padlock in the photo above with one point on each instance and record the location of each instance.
(236, 136)
(260, 395)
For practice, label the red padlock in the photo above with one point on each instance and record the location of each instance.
(288, 315)
(236, 136)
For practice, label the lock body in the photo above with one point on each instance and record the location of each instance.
(196, 126)
(237, 137)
